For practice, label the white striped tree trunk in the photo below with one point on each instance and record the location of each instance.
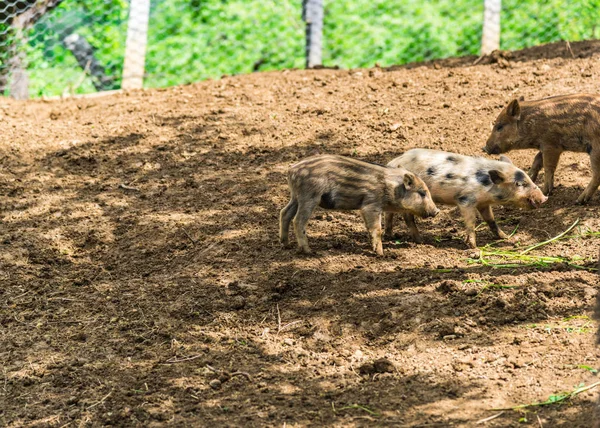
(312, 13)
(490, 39)
(135, 46)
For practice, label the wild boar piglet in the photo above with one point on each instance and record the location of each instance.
(340, 183)
(473, 184)
(566, 123)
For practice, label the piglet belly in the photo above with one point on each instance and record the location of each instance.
(443, 194)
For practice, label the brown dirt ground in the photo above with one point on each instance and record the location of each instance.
(120, 305)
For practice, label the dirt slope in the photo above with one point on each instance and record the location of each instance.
(142, 283)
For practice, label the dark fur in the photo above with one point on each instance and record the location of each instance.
(551, 125)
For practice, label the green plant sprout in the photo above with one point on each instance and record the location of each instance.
(507, 259)
(585, 327)
(489, 285)
(554, 399)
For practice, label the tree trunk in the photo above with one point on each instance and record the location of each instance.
(84, 54)
(19, 15)
(312, 14)
(490, 38)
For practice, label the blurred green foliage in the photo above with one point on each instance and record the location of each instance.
(191, 40)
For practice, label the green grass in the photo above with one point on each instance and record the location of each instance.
(554, 399)
(489, 285)
(191, 40)
(520, 257)
(584, 326)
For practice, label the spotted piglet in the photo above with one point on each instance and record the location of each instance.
(341, 183)
(473, 184)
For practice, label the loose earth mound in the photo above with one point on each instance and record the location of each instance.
(142, 282)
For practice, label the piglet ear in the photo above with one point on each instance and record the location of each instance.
(409, 180)
(496, 176)
(514, 109)
(506, 159)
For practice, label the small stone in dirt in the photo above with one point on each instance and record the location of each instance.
(215, 384)
(238, 302)
(501, 303)
(447, 287)
(383, 365)
(471, 292)
(445, 329)
(288, 341)
(449, 337)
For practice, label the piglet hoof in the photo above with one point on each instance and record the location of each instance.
(582, 199)
(305, 251)
(547, 191)
(502, 235)
(417, 239)
(470, 242)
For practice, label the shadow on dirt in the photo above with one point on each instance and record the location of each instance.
(130, 254)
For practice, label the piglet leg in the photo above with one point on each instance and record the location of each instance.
(305, 208)
(285, 217)
(412, 228)
(469, 214)
(595, 182)
(389, 224)
(550, 161)
(488, 217)
(372, 218)
(536, 166)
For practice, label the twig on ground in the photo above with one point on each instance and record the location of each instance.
(126, 187)
(181, 360)
(291, 324)
(102, 400)
(246, 375)
(478, 59)
(484, 420)
(570, 50)
(193, 241)
(210, 247)
(278, 319)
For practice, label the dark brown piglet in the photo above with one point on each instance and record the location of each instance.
(597, 316)
(552, 126)
(341, 183)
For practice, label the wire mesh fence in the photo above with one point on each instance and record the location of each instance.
(58, 47)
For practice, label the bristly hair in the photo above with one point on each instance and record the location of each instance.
(597, 309)
(597, 315)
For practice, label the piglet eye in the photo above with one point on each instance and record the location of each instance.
(421, 193)
(499, 127)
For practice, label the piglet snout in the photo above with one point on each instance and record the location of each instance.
(433, 213)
